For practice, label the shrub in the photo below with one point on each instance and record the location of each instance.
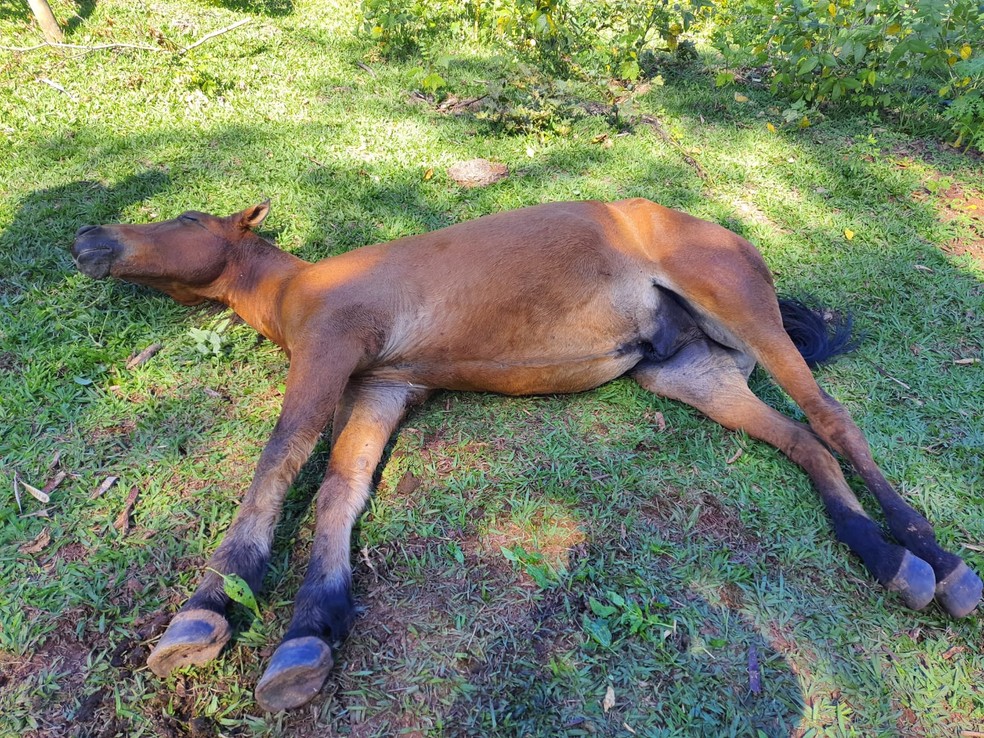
(872, 53)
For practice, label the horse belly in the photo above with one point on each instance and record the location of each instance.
(538, 378)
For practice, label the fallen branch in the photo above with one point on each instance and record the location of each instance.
(137, 47)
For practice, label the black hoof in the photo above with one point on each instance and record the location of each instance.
(914, 581)
(960, 591)
(295, 674)
(193, 637)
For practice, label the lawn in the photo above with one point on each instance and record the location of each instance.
(610, 563)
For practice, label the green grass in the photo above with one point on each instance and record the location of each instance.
(519, 556)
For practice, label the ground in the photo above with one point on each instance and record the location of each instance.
(605, 564)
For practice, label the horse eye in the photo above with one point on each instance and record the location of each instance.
(188, 218)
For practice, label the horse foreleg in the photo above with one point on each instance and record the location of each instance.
(324, 611)
(200, 629)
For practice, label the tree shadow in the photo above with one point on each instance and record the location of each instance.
(265, 7)
(85, 9)
(15, 9)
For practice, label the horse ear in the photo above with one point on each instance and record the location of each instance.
(251, 218)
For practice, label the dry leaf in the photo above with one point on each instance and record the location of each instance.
(772, 128)
(754, 671)
(40, 541)
(660, 421)
(36, 493)
(609, 702)
(429, 174)
(966, 362)
(102, 488)
(740, 98)
(54, 482)
(848, 234)
(122, 522)
(953, 651)
(477, 172)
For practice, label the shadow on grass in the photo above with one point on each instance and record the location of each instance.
(15, 9)
(266, 7)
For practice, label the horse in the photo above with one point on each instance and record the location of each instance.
(554, 298)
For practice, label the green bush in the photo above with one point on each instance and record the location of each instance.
(871, 53)
(606, 38)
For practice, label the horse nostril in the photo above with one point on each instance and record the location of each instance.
(85, 229)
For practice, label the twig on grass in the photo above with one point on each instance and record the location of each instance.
(144, 356)
(137, 47)
(885, 374)
(56, 86)
(654, 123)
(213, 34)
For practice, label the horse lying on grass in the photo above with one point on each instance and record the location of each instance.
(549, 299)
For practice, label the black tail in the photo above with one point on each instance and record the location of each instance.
(819, 336)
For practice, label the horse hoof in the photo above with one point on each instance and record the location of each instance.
(914, 581)
(193, 637)
(295, 674)
(960, 591)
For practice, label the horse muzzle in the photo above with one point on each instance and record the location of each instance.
(94, 252)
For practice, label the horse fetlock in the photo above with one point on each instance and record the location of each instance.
(960, 592)
(193, 637)
(295, 675)
(914, 581)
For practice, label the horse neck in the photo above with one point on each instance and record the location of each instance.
(254, 280)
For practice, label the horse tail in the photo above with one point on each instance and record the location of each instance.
(818, 334)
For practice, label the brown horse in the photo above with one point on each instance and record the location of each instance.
(548, 299)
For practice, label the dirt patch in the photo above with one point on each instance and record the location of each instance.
(64, 656)
(554, 540)
(961, 205)
(965, 206)
(120, 432)
(715, 521)
(8, 363)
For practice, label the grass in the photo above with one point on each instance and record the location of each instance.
(520, 556)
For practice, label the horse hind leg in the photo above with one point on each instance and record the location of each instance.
(713, 380)
(958, 588)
